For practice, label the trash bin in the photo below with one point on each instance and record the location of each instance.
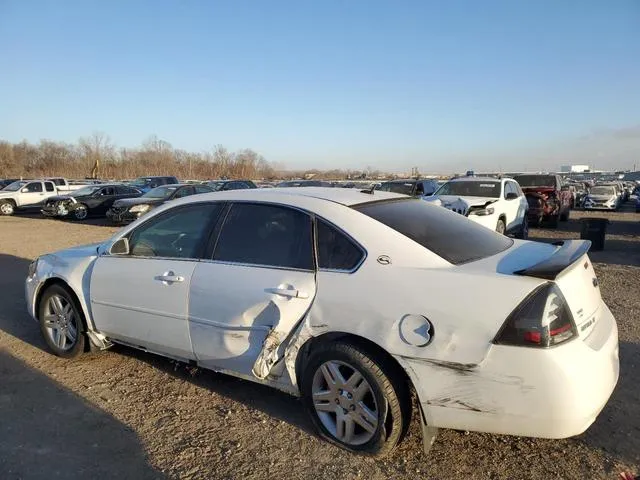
(594, 229)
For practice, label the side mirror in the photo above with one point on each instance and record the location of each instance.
(120, 247)
(511, 196)
(24, 190)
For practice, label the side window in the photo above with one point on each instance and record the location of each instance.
(518, 189)
(49, 187)
(178, 233)
(419, 188)
(266, 235)
(34, 187)
(184, 192)
(507, 189)
(335, 250)
(122, 190)
(108, 191)
(202, 189)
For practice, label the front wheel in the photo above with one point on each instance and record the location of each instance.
(355, 401)
(61, 322)
(7, 208)
(501, 227)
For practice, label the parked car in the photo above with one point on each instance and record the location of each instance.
(25, 195)
(130, 209)
(351, 300)
(602, 197)
(549, 200)
(221, 185)
(7, 182)
(498, 204)
(144, 184)
(93, 200)
(638, 204)
(63, 185)
(304, 183)
(415, 188)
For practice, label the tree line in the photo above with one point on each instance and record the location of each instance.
(96, 156)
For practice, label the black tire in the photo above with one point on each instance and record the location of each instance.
(388, 386)
(81, 212)
(523, 231)
(77, 320)
(7, 207)
(565, 216)
(501, 227)
(552, 221)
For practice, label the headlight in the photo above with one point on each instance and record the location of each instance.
(139, 208)
(482, 212)
(33, 267)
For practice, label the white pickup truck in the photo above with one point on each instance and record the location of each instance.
(26, 195)
(64, 186)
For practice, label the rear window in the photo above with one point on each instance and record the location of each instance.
(406, 188)
(450, 235)
(536, 180)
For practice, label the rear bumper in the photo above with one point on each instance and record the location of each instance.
(551, 393)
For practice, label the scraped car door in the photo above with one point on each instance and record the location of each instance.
(255, 289)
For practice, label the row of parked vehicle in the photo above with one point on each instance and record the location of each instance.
(506, 205)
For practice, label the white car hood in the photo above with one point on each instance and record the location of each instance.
(7, 194)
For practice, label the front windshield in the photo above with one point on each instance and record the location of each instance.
(536, 180)
(470, 189)
(86, 191)
(14, 187)
(602, 191)
(406, 188)
(163, 192)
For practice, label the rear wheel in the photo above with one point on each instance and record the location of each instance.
(552, 221)
(81, 212)
(355, 400)
(565, 216)
(61, 322)
(7, 207)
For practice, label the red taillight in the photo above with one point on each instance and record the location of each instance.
(543, 319)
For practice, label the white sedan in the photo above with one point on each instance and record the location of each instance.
(351, 300)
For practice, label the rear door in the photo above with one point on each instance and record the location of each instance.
(257, 286)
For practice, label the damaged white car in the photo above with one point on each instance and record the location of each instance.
(352, 300)
(498, 204)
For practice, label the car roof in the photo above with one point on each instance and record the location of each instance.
(479, 179)
(287, 195)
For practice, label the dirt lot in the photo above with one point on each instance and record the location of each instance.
(127, 414)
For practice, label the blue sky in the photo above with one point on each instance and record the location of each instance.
(442, 85)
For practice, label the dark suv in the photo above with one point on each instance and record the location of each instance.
(549, 200)
(144, 184)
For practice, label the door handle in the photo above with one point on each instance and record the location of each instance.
(169, 277)
(286, 292)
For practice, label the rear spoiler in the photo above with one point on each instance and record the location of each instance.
(568, 252)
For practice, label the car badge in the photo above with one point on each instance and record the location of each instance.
(384, 260)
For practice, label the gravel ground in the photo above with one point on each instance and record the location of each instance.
(128, 414)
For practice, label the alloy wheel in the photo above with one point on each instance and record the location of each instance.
(81, 212)
(345, 403)
(6, 208)
(60, 322)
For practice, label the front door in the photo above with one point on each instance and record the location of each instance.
(32, 195)
(142, 298)
(257, 286)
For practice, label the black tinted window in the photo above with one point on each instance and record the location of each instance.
(266, 235)
(184, 192)
(34, 187)
(447, 234)
(49, 186)
(335, 250)
(178, 233)
(406, 188)
(202, 189)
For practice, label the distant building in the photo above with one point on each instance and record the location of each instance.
(574, 168)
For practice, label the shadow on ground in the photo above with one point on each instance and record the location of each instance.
(49, 432)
